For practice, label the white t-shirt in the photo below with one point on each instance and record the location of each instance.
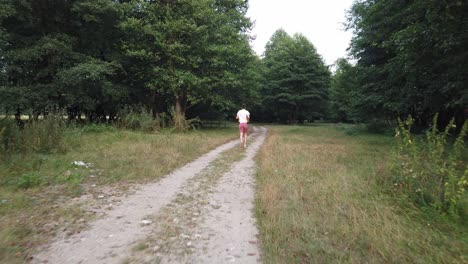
(242, 115)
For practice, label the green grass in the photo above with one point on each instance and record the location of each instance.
(319, 201)
(34, 188)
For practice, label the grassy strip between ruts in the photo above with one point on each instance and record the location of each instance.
(318, 202)
(29, 216)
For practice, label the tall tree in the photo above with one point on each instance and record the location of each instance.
(192, 51)
(412, 57)
(296, 79)
(51, 60)
(344, 96)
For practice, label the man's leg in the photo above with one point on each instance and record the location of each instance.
(245, 134)
(245, 139)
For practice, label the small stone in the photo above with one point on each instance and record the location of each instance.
(100, 197)
(189, 243)
(92, 176)
(215, 206)
(251, 254)
(146, 222)
(156, 248)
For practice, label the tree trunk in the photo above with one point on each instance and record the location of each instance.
(180, 123)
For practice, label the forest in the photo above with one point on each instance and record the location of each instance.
(96, 59)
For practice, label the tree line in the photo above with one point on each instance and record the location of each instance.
(95, 58)
(411, 59)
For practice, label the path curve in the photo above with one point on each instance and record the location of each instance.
(107, 239)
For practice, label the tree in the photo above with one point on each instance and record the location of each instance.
(296, 79)
(193, 52)
(344, 96)
(50, 41)
(411, 57)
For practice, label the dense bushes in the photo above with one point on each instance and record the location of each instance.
(41, 136)
(137, 119)
(430, 170)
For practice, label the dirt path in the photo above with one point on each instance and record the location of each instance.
(213, 224)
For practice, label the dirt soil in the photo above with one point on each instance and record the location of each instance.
(189, 216)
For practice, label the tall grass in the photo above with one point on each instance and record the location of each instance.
(41, 136)
(430, 170)
(138, 118)
(318, 201)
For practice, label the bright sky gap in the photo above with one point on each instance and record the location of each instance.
(321, 21)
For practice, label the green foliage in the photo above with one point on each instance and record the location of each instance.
(344, 96)
(184, 53)
(44, 136)
(40, 136)
(378, 126)
(431, 171)
(10, 137)
(137, 119)
(29, 180)
(410, 56)
(296, 80)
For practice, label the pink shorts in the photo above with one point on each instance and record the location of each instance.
(244, 128)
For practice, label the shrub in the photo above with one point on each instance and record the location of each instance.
(10, 137)
(137, 119)
(44, 136)
(29, 180)
(429, 170)
(378, 127)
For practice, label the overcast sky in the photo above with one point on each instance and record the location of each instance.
(321, 21)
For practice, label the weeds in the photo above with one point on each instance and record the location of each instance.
(41, 136)
(29, 180)
(430, 170)
(138, 118)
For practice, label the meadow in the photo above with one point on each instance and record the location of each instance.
(320, 199)
(36, 188)
(323, 192)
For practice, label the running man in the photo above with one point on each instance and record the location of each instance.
(244, 117)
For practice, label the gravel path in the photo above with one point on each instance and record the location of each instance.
(224, 226)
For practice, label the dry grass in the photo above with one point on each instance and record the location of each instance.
(317, 202)
(29, 217)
